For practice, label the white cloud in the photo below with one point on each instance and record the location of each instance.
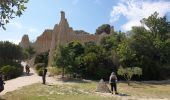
(135, 10)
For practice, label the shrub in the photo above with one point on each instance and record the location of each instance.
(40, 72)
(54, 71)
(39, 66)
(42, 58)
(12, 71)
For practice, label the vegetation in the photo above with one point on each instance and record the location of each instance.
(127, 73)
(82, 60)
(10, 57)
(29, 52)
(10, 72)
(9, 9)
(105, 28)
(148, 48)
(151, 47)
(54, 71)
(86, 91)
(39, 68)
(9, 53)
(42, 58)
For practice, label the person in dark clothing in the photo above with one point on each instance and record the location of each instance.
(1, 83)
(112, 81)
(44, 75)
(27, 68)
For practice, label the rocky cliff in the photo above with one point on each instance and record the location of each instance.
(61, 33)
(25, 43)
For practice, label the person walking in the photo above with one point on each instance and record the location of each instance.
(44, 75)
(113, 81)
(27, 68)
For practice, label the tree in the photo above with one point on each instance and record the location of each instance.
(105, 28)
(61, 59)
(9, 9)
(30, 51)
(126, 54)
(67, 57)
(9, 53)
(158, 26)
(151, 47)
(128, 72)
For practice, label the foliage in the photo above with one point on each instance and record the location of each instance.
(126, 54)
(112, 41)
(39, 68)
(105, 28)
(40, 72)
(9, 9)
(66, 55)
(152, 46)
(146, 46)
(83, 60)
(128, 72)
(9, 53)
(42, 58)
(29, 52)
(54, 71)
(11, 71)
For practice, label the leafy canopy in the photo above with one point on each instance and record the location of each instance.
(9, 9)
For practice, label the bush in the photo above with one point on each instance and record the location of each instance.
(40, 72)
(54, 71)
(42, 58)
(39, 66)
(11, 71)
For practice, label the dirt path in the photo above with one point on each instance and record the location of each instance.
(25, 80)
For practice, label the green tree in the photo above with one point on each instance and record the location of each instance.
(128, 72)
(151, 47)
(67, 57)
(126, 54)
(9, 9)
(10, 53)
(105, 28)
(29, 52)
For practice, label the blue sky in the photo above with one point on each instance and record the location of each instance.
(82, 15)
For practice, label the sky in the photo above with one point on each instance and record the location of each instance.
(84, 15)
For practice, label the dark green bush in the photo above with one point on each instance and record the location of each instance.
(10, 72)
(39, 66)
(40, 72)
(42, 58)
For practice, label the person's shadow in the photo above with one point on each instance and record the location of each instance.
(122, 94)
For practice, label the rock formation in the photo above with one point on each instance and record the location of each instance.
(62, 33)
(43, 42)
(102, 87)
(25, 43)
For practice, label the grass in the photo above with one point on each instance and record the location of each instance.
(86, 91)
